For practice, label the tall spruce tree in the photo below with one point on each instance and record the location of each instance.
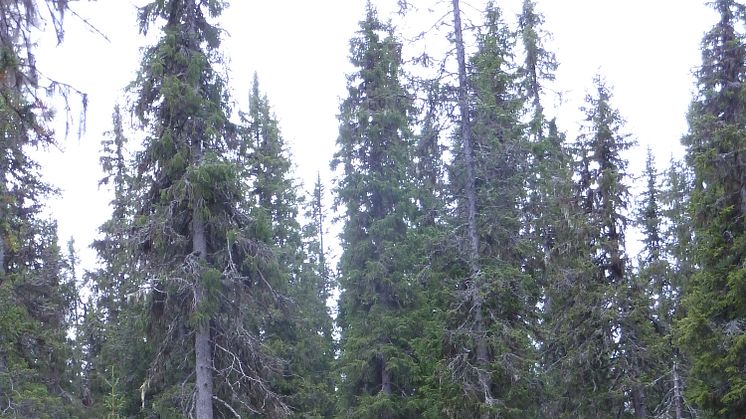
(490, 350)
(590, 302)
(538, 67)
(376, 194)
(713, 330)
(302, 335)
(116, 340)
(212, 280)
(659, 273)
(678, 250)
(559, 232)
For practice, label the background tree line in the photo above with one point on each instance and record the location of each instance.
(485, 267)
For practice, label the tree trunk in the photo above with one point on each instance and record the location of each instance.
(482, 353)
(2, 243)
(2, 231)
(202, 345)
(638, 401)
(471, 195)
(677, 396)
(202, 349)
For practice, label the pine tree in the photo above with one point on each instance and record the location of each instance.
(376, 194)
(212, 280)
(713, 327)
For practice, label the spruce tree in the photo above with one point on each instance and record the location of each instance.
(490, 350)
(559, 243)
(594, 324)
(113, 329)
(678, 251)
(34, 301)
(302, 334)
(713, 327)
(212, 281)
(659, 272)
(538, 66)
(377, 267)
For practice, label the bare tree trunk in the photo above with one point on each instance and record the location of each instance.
(202, 349)
(638, 401)
(678, 397)
(2, 217)
(2, 242)
(471, 195)
(482, 353)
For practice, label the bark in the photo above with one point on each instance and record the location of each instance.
(385, 378)
(2, 242)
(471, 195)
(202, 349)
(2, 218)
(741, 169)
(677, 394)
(638, 401)
(202, 344)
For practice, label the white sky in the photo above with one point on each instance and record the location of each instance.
(645, 49)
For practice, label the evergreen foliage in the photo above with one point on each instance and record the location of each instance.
(593, 320)
(712, 329)
(302, 335)
(210, 275)
(495, 307)
(36, 288)
(484, 270)
(375, 191)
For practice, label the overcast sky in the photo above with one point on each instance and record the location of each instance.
(645, 49)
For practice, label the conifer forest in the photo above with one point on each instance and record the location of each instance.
(469, 257)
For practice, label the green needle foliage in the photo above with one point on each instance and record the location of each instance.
(490, 349)
(487, 277)
(376, 194)
(36, 291)
(210, 274)
(588, 302)
(302, 335)
(713, 328)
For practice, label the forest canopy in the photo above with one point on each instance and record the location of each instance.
(468, 258)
